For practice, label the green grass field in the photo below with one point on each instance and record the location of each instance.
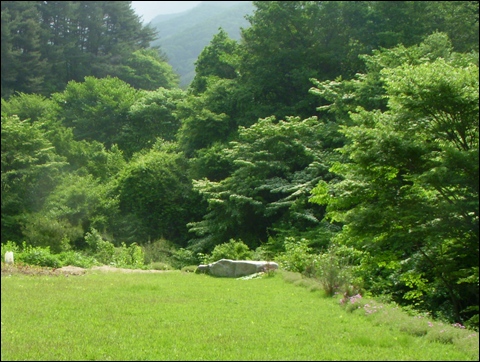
(185, 316)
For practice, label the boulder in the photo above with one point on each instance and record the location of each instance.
(237, 268)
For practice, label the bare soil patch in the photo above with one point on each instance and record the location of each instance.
(8, 269)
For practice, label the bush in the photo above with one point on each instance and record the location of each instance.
(334, 271)
(268, 250)
(39, 256)
(160, 250)
(131, 256)
(235, 250)
(183, 257)
(297, 256)
(10, 246)
(76, 259)
(102, 250)
(190, 268)
(44, 231)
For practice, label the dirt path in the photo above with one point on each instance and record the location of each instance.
(68, 270)
(105, 268)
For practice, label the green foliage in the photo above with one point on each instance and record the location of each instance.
(275, 165)
(30, 169)
(103, 250)
(76, 258)
(408, 186)
(40, 256)
(184, 257)
(32, 107)
(201, 127)
(106, 253)
(189, 269)
(10, 246)
(184, 38)
(335, 269)
(297, 256)
(217, 59)
(146, 69)
(212, 163)
(58, 234)
(23, 68)
(155, 189)
(82, 202)
(97, 109)
(158, 265)
(158, 251)
(234, 250)
(128, 257)
(46, 45)
(269, 249)
(152, 116)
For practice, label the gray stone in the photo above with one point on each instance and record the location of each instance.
(237, 268)
(9, 257)
(202, 269)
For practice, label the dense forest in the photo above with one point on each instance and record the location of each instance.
(340, 134)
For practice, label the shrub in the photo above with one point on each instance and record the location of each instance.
(190, 268)
(39, 256)
(183, 257)
(43, 231)
(334, 272)
(268, 250)
(127, 257)
(102, 250)
(235, 250)
(10, 246)
(160, 250)
(76, 259)
(297, 256)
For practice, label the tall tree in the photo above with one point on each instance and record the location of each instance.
(97, 109)
(22, 69)
(409, 187)
(274, 167)
(30, 169)
(218, 59)
(155, 196)
(147, 69)
(46, 44)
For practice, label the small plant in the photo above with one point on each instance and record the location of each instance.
(269, 270)
(190, 268)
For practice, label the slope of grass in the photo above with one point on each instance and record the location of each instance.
(185, 316)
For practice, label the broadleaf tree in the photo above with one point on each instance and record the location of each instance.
(408, 188)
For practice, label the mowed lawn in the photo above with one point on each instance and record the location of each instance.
(185, 316)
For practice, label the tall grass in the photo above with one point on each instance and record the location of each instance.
(186, 316)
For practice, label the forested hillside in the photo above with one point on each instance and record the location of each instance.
(338, 138)
(183, 36)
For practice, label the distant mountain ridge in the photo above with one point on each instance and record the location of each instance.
(183, 36)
